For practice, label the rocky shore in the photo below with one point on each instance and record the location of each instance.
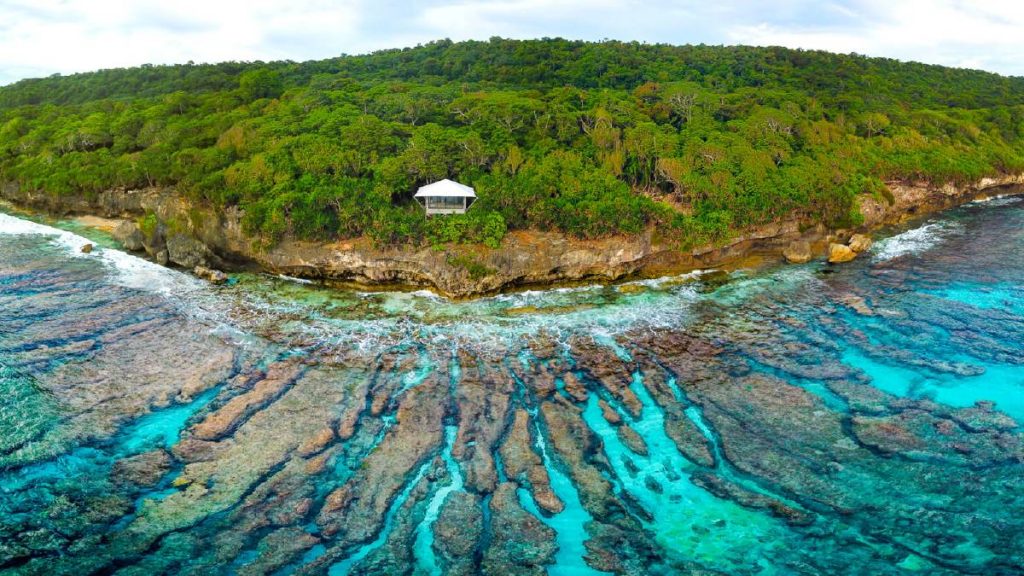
(174, 231)
(864, 421)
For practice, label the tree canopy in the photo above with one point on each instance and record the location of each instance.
(590, 139)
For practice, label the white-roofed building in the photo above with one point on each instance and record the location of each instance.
(445, 197)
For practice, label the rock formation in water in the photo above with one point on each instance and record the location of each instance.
(765, 427)
(859, 243)
(838, 253)
(798, 252)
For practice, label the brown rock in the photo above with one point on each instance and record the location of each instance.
(457, 532)
(228, 417)
(798, 252)
(609, 413)
(604, 366)
(144, 469)
(574, 387)
(632, 440)
(857, 303)
(279, 548)
(546, 499)
(524, 466)
(483, 397)
(859, 243)
(317, 464)
(356, 511)
(521, 543)
(194, 450)
(725, 489)
(317, 443)
(838, 253)
(86, 248)
(573, 442)
(210, 275)
(129, 235)
(347, 425)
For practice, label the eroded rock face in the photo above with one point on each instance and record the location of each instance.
(458, 532)
(184, 239)
(839, 253)
(146, 469)
(187, 252)
(210, 275)
(859, 243)
(524, 466)
(798, 252)
(523, 543)
(129, 235)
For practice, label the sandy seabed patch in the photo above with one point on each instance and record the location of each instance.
(100, 223)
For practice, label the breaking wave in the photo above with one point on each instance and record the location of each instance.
(916, 241)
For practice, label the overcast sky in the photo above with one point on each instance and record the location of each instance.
(41, 37)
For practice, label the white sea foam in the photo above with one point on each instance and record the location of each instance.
(294, 279)
(429, 295)
(127, 270)
(383, 319)
(915, 241)
(663, 281)
(12, 226)
(134, 272)
(999, 200)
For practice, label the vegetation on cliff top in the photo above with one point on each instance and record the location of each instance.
(591, 139)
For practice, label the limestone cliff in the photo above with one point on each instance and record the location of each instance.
(179, 232)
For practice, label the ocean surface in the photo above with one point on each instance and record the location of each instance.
(813, 419)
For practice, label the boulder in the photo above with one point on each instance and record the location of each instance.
(859, 243)
(162, 258)
(840, 253)
(186, 251)
(86, 248)
(129, 235)
(798, 252)
(210, 275)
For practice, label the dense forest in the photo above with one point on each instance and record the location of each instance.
(591, 139)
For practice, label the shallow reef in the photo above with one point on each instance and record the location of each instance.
(863, 418)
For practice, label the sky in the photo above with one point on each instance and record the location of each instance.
(43, 37)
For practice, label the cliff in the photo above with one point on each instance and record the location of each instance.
(180, 233)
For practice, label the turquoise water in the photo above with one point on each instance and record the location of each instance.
(346, 566)
(810, 419)
(423, 547)
(570, 524)
(685, 518)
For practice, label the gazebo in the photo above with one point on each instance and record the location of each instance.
(445, 197)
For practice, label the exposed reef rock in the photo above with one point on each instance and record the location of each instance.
(838, 253)
(807, 423)
(210, 275)
(859, 243)
(798, 252)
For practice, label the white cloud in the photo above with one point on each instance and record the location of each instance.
(40, 37)
(50, 36)
(979, 34)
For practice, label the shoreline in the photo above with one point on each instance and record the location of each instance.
(187, 236)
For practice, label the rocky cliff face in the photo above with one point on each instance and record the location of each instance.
(911, 199)
(181, 233)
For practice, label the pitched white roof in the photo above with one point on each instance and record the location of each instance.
(446, 187)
